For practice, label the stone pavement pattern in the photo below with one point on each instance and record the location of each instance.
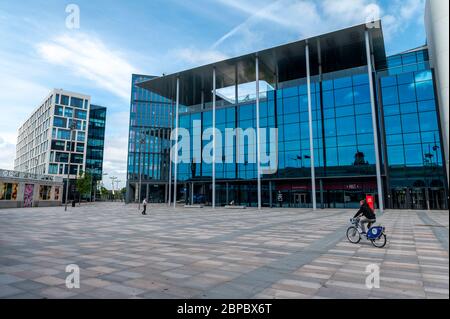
(201, 253)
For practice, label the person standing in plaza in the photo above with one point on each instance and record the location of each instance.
(144, 204)
(280, 198)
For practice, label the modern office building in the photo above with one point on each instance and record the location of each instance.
(96, 145)
(351, 122)
(58, 128)
(149, 144)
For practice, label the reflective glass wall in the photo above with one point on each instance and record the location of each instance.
(148, 147)
(416, 176)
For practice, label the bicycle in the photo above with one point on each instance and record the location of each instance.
(375, 234)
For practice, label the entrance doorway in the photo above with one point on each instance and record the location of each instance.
(300, 200)
(419, 198)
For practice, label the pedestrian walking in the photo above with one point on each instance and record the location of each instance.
(144, 204)
(280, 198)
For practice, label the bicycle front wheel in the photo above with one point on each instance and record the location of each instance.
(380, 242)
(353, 235)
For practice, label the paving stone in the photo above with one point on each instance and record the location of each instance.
(182, 253)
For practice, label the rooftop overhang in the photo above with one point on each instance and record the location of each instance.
(333, 51)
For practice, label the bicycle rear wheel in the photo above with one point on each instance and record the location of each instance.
(353, 235)
(380, 242)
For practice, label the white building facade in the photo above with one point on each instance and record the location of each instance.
(437, 28)
(58, 127)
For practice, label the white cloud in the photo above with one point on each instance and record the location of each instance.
(306, 18)
(18, 97)
(89, 58)
(7, 153)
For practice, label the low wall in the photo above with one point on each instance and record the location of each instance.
(16, 204)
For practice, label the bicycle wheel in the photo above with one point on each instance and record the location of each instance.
(353, 235)
(380, 242)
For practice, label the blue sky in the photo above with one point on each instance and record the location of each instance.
(117, 38)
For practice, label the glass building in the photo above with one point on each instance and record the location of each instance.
(96, 144)
(149, 144)
(351, 122)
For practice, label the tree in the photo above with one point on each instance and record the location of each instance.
(84, 184)
(105, 193)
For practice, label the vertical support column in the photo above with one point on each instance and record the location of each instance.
(322, 205)
(311, 137)
(192, 193)
(176, 141)
(214, 141)
(374, 123)
(170, 158)
(227, 201)
(258, 135)
(270, 195)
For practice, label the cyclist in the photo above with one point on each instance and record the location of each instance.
(368, 215)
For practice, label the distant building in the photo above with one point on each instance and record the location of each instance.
(148, 144)
(45, 140)
(96, 143)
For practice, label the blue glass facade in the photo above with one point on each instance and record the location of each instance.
(96, 141)
(148, 146)
(345, 160)
(416, 175)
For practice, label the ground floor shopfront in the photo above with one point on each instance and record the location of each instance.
(296, 193)
(19, 190)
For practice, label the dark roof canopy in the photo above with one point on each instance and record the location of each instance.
(338, 50)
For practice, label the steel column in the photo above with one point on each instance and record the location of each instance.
(214, 141)
(176, 142)
(374, 123)
(258, 135)
(311, 137)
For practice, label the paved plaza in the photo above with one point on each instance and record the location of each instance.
(205, 253)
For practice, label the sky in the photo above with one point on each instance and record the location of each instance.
(117, 38)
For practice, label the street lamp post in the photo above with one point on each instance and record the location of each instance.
(72, 129)
(113, 178)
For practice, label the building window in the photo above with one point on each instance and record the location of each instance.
(80, 147)
(44, 192)
(78, 125)
(53, 169)
(61, 157)
(68, 112)
(8, 191)
(80, 114)
(60, 122)
(63, 134)
(57, 193)
(77, 158)
(76, 102)
(64, 100)
(58, 145)
(59, 110)
(81, 136)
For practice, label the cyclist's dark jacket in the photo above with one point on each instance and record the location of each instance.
(366, 211)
